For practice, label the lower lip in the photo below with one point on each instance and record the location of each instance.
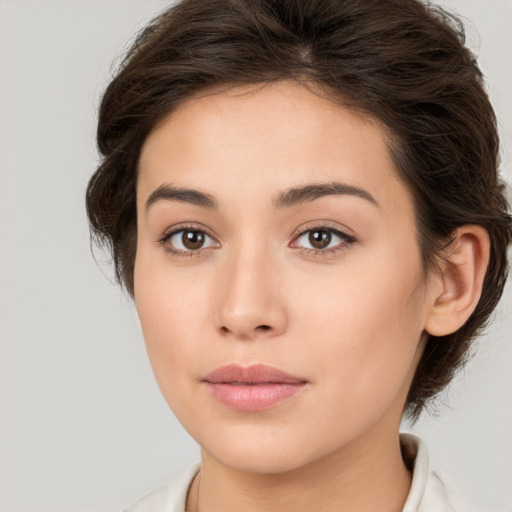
(253, 398)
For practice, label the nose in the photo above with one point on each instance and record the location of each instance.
(250, 301)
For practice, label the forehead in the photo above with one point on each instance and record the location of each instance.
(262, 138)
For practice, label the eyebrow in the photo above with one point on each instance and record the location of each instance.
(185, 195)
(286, 199)
(309, 193)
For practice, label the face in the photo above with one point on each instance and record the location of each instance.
(273, 230)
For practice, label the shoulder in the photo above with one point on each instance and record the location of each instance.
(168, 498)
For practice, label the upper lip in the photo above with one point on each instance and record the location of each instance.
(254, 374)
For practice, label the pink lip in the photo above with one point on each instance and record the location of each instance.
(253, 388)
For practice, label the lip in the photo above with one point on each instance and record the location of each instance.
(253, 388)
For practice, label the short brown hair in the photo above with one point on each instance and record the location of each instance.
(399, 61)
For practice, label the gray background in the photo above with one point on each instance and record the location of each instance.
(83, 426)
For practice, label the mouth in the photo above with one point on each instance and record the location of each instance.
(253, 388)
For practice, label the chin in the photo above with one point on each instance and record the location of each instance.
(259, 459)
(261, 449)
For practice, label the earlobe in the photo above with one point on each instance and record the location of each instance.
(460, 281)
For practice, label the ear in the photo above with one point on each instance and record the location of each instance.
(457, 288)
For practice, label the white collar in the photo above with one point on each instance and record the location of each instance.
(427, 492)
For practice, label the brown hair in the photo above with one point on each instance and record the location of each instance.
(399, 61)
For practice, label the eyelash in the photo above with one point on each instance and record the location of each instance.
(347, 241)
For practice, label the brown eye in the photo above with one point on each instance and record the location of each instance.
(323, 240)
(188, 241)
(193, 240)
(320, 239)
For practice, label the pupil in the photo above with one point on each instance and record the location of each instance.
(320, 239)
(193, 239)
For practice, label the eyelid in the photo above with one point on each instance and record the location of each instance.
(344, 232)
(182, 226)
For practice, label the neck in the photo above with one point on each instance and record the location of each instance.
(367, 475)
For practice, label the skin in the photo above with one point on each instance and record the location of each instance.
(351, 319)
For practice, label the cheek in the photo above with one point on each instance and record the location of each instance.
(368, 325)
(169, 308)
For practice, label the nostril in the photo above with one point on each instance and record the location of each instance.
(242, 332)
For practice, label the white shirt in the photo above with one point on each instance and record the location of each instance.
(427, 492)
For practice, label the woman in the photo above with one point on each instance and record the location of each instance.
(303, 200)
